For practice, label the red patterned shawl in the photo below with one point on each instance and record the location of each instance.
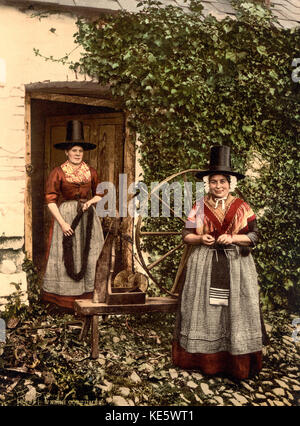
(233, 220)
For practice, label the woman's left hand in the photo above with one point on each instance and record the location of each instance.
(225, 239)
(93, 200)
(86, 205)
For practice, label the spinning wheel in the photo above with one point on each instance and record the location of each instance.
(170, 284)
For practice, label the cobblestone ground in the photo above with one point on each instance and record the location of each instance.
(277, 384)
(45, 364)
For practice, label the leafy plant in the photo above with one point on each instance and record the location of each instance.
(14, 307)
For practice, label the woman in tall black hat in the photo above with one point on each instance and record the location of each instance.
(219, 326)
(76, 236)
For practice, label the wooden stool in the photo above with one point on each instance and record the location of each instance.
(91, 311)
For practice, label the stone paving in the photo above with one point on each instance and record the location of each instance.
(277, 384)
(134, 368)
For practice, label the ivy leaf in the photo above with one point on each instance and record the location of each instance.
(262, 50)
(231, 56)
(272, 91)
(127, 55)
(247, 129)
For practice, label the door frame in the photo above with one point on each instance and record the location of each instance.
(129, 158)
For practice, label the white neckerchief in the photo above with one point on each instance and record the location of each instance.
(223, 202)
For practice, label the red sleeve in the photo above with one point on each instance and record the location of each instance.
(53, 186)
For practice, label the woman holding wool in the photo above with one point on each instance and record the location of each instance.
(219, 326)
(73, 249)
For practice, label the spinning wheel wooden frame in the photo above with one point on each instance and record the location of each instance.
(139, 235)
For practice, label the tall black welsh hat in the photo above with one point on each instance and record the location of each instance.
(75, 137)
(219, 163)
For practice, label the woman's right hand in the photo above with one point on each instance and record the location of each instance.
(66, 228)
(207, 239)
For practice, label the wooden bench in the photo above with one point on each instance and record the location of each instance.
(91, 312)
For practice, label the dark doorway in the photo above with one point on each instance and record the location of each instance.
(103, 126)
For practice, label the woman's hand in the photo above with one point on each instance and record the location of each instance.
(86, 205)
(207, 239)
(66, 228)
(225, 239)
(93, 200)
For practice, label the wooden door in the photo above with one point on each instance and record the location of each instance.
(104, 130)
(107, 131)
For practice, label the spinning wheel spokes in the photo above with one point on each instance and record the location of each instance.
(164, 256)
(165, 204)
(177, 246)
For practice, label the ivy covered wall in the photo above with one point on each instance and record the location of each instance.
(189, 82)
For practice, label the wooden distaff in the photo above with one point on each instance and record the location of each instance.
(103, 267)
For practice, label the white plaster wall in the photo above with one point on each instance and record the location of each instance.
(20, 33)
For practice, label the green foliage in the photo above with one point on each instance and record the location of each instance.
(14, 306)
(33, 282)
(189, 82)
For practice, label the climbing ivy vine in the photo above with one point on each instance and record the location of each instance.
(190, 81)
